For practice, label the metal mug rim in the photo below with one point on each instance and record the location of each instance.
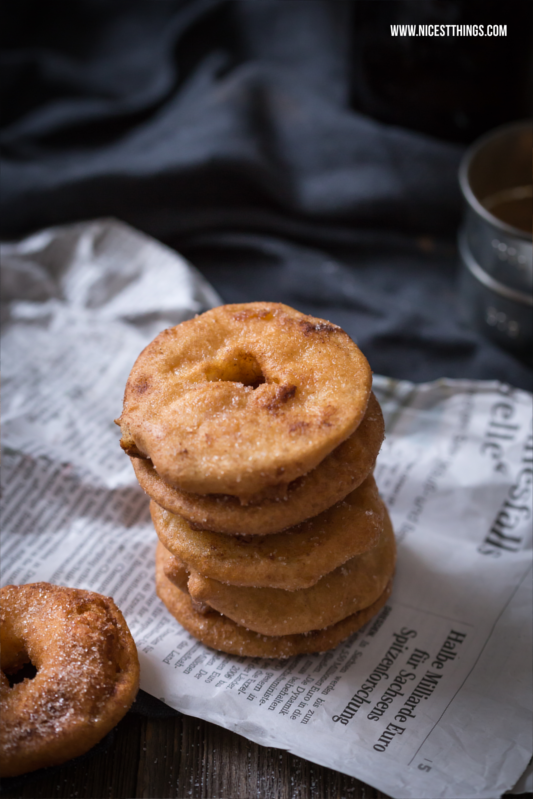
(479, 273)
(464, 183)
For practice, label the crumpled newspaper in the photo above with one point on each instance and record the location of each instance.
(432, 698)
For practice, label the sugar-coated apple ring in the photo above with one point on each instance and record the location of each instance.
(221, 633)
(332, 480)
(296, 558)
(274, 611)
(87, 674)
(243, 397)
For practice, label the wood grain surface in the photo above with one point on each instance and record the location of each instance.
(187, 758)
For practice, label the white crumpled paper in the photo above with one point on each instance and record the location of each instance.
(432, 698)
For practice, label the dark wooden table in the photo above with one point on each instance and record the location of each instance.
(180, 756)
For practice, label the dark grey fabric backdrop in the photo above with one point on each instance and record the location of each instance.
(228, 130)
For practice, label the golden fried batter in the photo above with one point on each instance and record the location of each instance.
(87, 674)
(244, 397)
(221, 633)
(176, 570)
(338, 474)
(273, 611)
(296, 558)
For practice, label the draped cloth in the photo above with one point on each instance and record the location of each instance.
(227, 130)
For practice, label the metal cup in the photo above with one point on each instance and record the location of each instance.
(495, 246)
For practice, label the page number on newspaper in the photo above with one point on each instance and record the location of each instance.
(424, 766)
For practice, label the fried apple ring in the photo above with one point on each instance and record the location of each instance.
(332, 480)
(243, 397)
(87, 674)
(221, 633)
(294, 559)
(274, 611)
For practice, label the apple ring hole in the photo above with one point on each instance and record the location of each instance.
(243, 368)
(26, 672)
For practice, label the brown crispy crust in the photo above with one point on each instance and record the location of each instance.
(296, 558)
(87, 674)
(223, 634)
(244, 397)
(128, 444)
(175, 570)
(332, 480)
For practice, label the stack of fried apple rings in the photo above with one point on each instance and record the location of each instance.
(254, 430)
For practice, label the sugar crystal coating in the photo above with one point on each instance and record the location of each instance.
(87, 673)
